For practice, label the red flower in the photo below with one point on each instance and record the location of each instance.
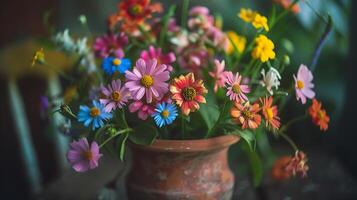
(288, 166)
(319, 115)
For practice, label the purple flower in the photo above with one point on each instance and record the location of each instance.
(82, 156)
(110, 44)
(44, 105)
(303, 84)
(147, 78)
(161, 58)
(115, 96)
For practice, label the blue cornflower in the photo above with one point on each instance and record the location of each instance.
(94, 115)
(165, 114)
(111, 65)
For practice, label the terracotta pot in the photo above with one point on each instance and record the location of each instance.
(181, 169)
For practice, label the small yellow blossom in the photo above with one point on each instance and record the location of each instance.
(235, 40)
(264, 49)
(260, 21)
(38, 57)
(246, 14)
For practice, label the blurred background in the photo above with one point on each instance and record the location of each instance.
(33, 165)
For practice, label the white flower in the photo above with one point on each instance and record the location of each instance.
(270, 79)
(81, 46)
(64, 41)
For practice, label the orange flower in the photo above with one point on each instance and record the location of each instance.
(187, 93)
(246, 115)
(319, 115)
(286, 4)
(270, 113)
(288, 166)
(278, 171)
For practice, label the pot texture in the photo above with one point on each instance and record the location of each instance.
(181, 169)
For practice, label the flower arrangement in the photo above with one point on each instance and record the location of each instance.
(149, 78)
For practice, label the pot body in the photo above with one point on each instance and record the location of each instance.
(177, 170)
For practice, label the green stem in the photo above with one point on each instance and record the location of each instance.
(283, 14)
(113, 136)
(291, 122)
(184, 13)
(290, 141)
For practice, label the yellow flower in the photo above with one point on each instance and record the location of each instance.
(38, 57)
(264, 49)
(260, 21)
(246, 14)
(235, 40)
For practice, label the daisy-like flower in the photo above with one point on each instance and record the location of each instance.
(94, 115)
(219, 75)
(115, 96)
(188, 93)
(235, 41)
(319, 115)
(246, 15)
(149, 79)
(246, 114)
(165, 114)
(144, 110)
(235, 89)
(110, 44)
(83, 157)
(271, 80)
(264, 49)
(270, 113)
(111, 65)
(303, 84)
(260, 21)
(161, 58)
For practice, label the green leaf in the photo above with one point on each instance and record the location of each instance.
(144, 134)
(248, 137)
(165, 23)
(256, 167)
(122, 147)
(210, 114)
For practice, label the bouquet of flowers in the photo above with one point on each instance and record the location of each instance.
(149, 78)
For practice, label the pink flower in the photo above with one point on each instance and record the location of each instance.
(147, 78)
(303, 84)
(200, 18)
(161, 58)
(219, 74)
(236, 90)
(110, 44)
(82, 156)
(144, 110)
(193, 58)
(115, 96)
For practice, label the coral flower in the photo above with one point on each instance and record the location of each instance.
(264, 49)
(319, 115)
(270, 113)
(110, 44)
(278, 171)
(246, 114)
(82, 156)
(297, 164)
(303, 84)
(149, 79)
(113, 65)
(236, 42)
(219, 75)
(235, 89)
(95, 115)
(115, 96)
(187, 93)
(144, 110)
(161, 58)
(286, 5)
(246, 15)
(165, 114)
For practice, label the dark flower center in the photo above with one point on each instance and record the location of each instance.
(136, 9)
(189, 93)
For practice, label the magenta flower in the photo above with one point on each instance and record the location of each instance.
(115, 96)
(82, 156)
(303, 84)
(147, 78)
(236, 90)
(161, 58)
(219, 75)
(144, 110)
(110, 44)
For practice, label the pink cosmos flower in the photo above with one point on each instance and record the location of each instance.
(110, 44)
(144, 110)
(147, 78)
(219, 74)
(82, 156)
(161, 58)
(115, 96)
(303, 84)
(236, 90)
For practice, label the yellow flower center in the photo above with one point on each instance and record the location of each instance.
(248, 114)
(116, 96)
(236, 88)
(116, 61)
(87, 155)
(136, 9)
(300, 85)
(269, 113)
(189, 93)
(94, 112)
(165, 113)
(147, 81)
(320, 114)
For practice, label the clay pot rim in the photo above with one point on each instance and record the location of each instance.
(198, 145)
